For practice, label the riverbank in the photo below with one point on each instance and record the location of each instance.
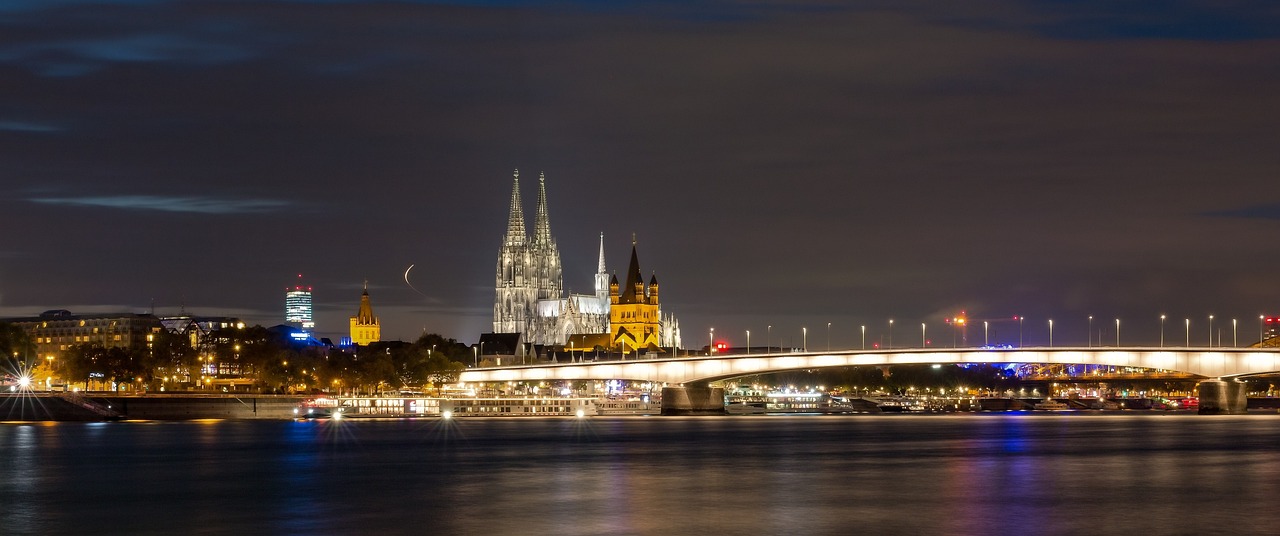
(108, 406)
(33, 407)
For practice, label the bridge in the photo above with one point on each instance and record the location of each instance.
(688, 377)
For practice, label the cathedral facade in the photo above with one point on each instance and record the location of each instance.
(529, 293)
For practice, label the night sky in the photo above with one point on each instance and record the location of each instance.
(780, 164)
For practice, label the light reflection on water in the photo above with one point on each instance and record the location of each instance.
(967, 474)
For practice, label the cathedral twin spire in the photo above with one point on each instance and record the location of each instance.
(516, 234)
(515, 221)
(528, 270)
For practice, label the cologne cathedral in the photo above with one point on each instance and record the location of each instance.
(530, 300)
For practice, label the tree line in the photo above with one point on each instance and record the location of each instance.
(269, 360)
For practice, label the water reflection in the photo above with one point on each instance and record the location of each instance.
(885, 475)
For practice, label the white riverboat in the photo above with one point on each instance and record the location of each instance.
(517, 407)
(1049, 404)
(628, 406)
(416, 406)
(756, 404)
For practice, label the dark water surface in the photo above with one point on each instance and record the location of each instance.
(962, 474)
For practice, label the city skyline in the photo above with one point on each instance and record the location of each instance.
(785, 166)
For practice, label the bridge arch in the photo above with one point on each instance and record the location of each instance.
(1223, 363)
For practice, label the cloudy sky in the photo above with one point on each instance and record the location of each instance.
(781, 164)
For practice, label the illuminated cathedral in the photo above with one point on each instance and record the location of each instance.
(529, 296)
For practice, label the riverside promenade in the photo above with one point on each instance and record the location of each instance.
(110, 406)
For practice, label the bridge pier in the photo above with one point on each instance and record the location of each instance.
(1222, 397)
(693, 400)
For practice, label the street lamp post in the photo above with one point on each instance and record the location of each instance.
(985, 342)
(828, 336)
(864, 336)
(804, 339)
(1117, 333)
(475, 354)
(1162, 331)
(890, 333)
(1262, 334)
(1211, 331)
(1091, 331)
(711, 341)
(1234, 341)
(1188, 321)
(1020, 331)
(924, 342)
(1051, 333)
(748, 342)
(768, 338)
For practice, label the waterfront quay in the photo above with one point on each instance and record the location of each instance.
(80, 406)
(34, 407)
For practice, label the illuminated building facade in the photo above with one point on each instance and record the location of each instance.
(635, 316)
(297, 307)
(529, 296)
(365, 327)
(55, 331)
(529, 286)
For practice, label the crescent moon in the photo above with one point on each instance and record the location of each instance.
(406, 281)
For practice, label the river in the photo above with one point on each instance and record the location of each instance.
(1072, 473)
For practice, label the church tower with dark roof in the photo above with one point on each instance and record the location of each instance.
(634, 316)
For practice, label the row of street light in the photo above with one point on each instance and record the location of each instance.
(924, 340)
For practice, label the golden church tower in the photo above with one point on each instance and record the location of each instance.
(365, 328)
(634, 316)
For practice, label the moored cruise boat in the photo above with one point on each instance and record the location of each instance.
(392, 407)
(324, 407)
(1049, 404)
(517, 407)
(788, 403)
(895, 404)
(633, 406)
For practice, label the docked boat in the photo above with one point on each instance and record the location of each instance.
(393, 407)
(745, 408)
(1049, 404)
(896, 404)
(633, 406)
(517, 407)
(774, 403)
(1104, 404)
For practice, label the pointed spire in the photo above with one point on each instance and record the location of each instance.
(634, 290)
(541, 223)
(601, 269)
(364, 315)
(515, 222)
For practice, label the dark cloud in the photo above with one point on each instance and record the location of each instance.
(1261, 212)
(21, 126)
(200, 205)
(781, 164)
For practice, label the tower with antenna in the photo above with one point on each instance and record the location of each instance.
(297, 306)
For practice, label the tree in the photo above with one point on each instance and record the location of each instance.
(17, 350)
(450, 348)
(82, 362)
(440, 370)
(172, 356)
